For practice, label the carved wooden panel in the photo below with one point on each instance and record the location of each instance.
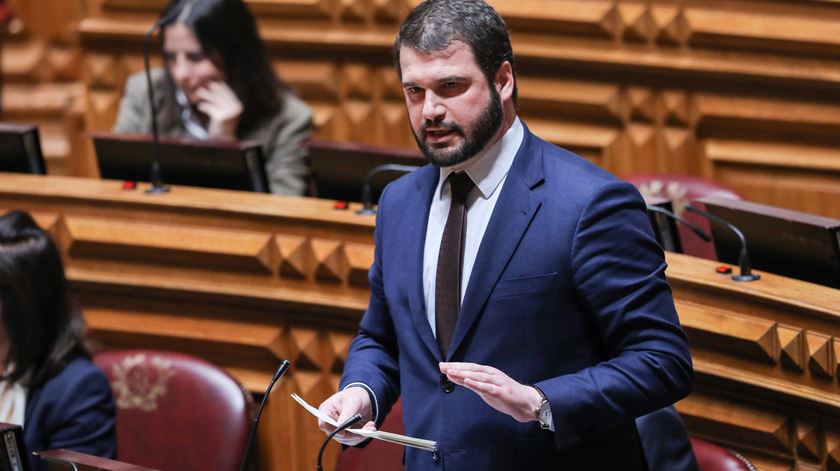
(248, 281)
(765, 356)
(243, 282)
(41, 78)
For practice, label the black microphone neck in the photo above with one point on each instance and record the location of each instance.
(341, 427)
(249, 445)
(700, 232)
(367, 198)
(743, 256)
(155, 176)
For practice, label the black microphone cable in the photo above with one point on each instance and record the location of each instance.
(280, 371)
(347, 423)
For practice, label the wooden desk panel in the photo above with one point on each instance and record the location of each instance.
(246, 279)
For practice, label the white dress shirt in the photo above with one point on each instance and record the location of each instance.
(488, 171)
(13, 400)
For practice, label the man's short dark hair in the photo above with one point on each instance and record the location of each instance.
(435, 24)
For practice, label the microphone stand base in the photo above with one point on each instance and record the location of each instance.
(157, 189)
(746, 277)
(366, 211)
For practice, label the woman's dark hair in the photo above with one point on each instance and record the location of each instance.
(43, 325)
(435, 24)
(228, 35)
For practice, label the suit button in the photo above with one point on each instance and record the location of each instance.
(446, 385)
(435, 456)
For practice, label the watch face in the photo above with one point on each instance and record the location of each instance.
(545, 414)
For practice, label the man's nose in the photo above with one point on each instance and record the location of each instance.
(433, 108)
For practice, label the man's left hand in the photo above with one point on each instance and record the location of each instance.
(497, 389)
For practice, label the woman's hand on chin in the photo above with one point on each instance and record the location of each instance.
(222, 107)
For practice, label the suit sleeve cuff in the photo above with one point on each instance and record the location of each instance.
(373, 402)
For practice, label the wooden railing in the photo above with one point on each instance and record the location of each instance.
(246, 279)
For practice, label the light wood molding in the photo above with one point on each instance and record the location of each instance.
(245, 279)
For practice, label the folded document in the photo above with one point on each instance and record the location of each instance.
(377, 434)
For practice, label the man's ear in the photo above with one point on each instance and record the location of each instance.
(504, 81)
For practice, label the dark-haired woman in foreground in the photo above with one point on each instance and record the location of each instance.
(48, 383)
(219, 84)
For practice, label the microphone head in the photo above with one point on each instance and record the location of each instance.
(280, 371)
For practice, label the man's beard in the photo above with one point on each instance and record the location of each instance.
(479, 135)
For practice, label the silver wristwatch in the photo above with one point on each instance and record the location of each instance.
(543, 412)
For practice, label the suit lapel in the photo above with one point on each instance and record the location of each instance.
(515, 209)
(418, 209)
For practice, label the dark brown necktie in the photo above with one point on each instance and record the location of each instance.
(450, 261)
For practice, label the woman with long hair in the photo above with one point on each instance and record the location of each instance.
(217, 83)
(47, 381)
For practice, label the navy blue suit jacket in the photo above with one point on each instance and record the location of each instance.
(568, 292)
(73, 410)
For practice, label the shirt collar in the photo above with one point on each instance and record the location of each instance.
(188, 118)
(490, 167)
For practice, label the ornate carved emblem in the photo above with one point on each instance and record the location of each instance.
(674, 191)
(139, 382)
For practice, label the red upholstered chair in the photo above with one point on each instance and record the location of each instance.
(711, 457)
(682, 190)
(176, 412)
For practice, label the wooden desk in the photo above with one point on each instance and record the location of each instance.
(245, 279)
(241, 279)
(63, 460)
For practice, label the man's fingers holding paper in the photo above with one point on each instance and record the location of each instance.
(343, 405)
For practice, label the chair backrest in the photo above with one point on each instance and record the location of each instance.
(711, 457)
(176, 411)
(682, 190)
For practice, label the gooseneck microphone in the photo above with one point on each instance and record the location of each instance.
(248, 446)
(700, 232)
(155, 176)
(367, 199)
(347, 423)
(744, 256)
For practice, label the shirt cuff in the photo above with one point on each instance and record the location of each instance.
(373, 401)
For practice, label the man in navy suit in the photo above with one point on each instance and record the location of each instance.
(557, 328)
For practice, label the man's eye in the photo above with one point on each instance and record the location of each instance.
(451, 84)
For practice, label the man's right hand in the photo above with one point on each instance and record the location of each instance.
(343, 405)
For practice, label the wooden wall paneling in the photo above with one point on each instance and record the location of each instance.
(763, 353)
(245, 280)
(41, 78)
(678, 77)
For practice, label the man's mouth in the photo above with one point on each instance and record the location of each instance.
(436, 135)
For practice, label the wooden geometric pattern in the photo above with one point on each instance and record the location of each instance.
(250, 284)
(741, 92)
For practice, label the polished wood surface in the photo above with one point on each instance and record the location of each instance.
(61, 460)
(745, 92)
(246, 279)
